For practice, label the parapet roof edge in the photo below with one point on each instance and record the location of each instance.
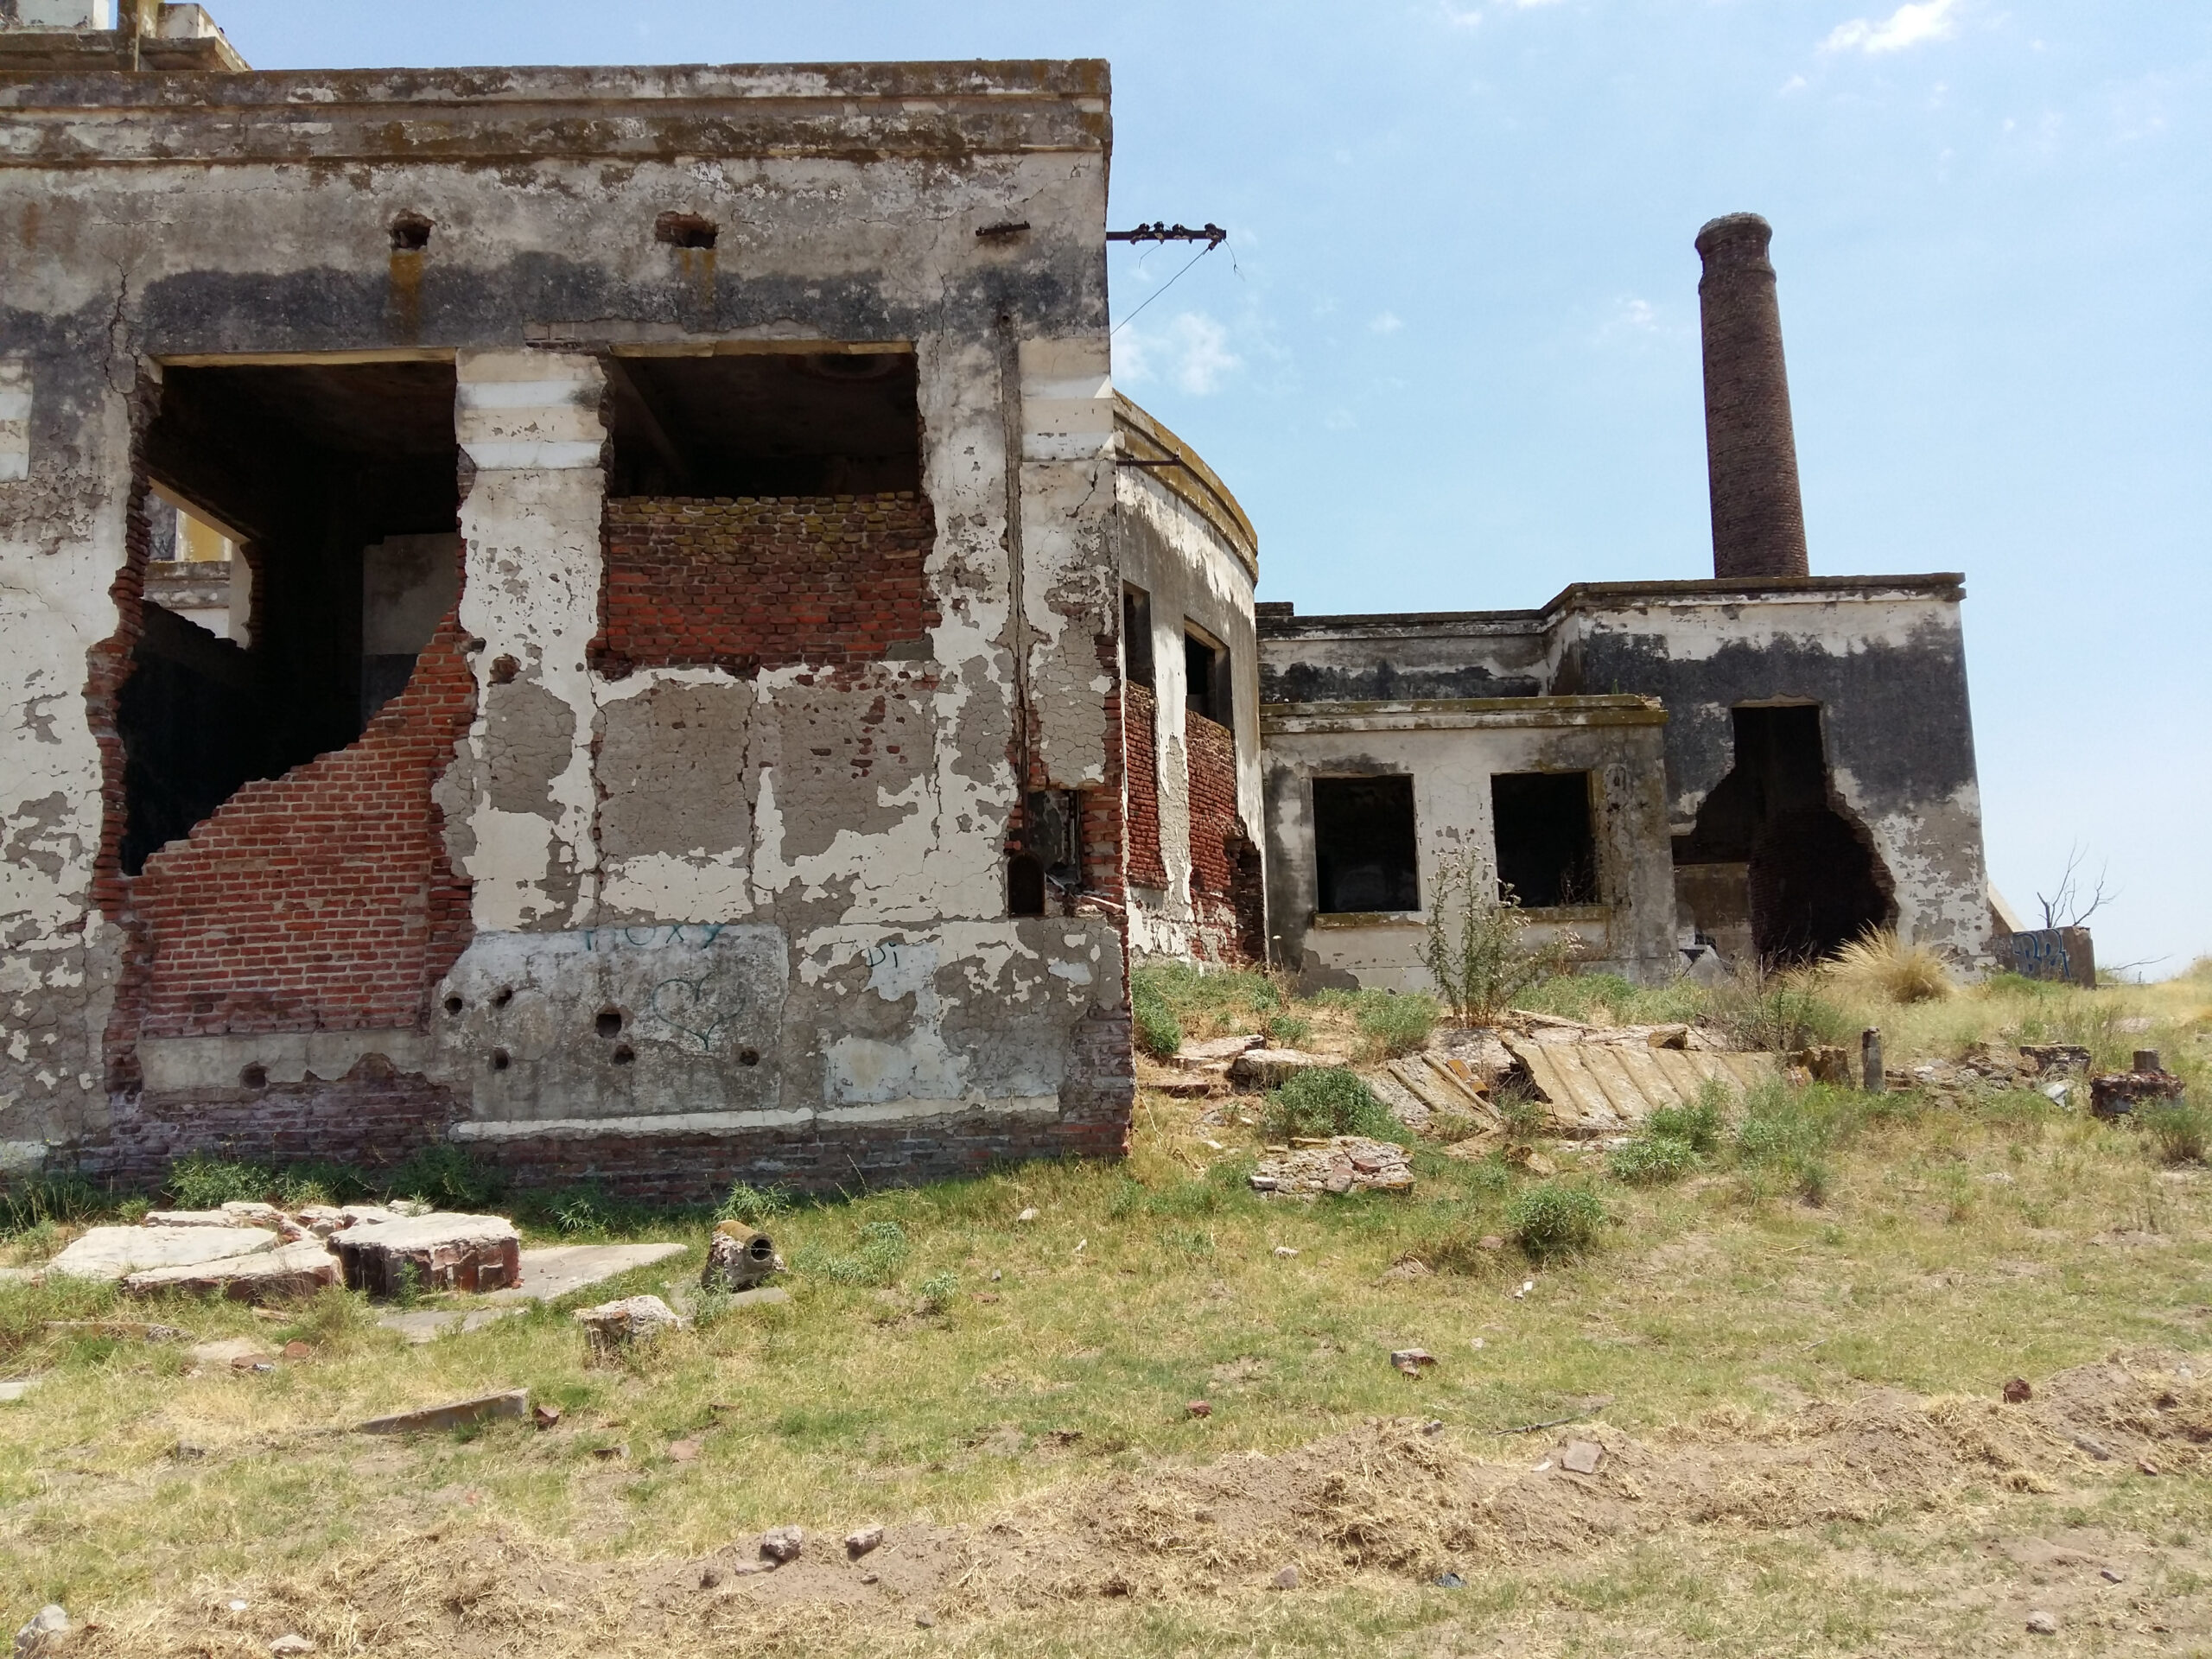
(1059, 80)
(1581, 595)
(1189, 477)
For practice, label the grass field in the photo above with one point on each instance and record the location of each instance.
(1797, 1400)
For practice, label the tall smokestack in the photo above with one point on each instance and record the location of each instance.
(1758, 518)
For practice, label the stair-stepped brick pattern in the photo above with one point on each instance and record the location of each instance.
(321, 899)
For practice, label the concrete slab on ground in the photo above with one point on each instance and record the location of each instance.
(113, 1252)
(547, 1273)
(421, 1325)
(553, 1271)
(12, 1391)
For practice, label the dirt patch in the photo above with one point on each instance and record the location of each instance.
(1392, 1499)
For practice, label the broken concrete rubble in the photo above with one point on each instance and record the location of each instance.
(2121, 1094)
(1346, 1163)
(455, 1413)
(117, 1252)
(612, 1327)
(1271, 1068)
(432, 1252)
(291, 1273)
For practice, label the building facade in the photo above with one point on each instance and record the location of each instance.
(677, 513)
(615, 617)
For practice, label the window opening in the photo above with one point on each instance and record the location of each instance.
(1137, 636)
(1206, 680)
(303, 471)
(1547, 855)
(1363, 849)
(1771, 855)
(766, 423)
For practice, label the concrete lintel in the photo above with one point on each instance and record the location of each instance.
(1460, 714)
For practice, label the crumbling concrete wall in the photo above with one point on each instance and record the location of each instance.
(1451, 750)
(1882, 658)
(1196, 799)
(779, 883)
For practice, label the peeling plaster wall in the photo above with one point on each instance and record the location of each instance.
(697, 853)
(1884, 657)
(1887, 666)
(1194, 572)
(1450, 749)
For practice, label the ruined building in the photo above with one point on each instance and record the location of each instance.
(615, 617)
(1760, 767)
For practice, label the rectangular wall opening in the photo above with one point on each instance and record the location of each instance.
(1546, 852)
(766, 423)
(1207, 686)
(300, 474)
(1137, 636)
(765, 510)
(1364, 853)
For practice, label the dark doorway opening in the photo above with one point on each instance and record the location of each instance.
(340, 482)
(1363, 846)
(766, 423)
(1547, 855)
(1812, 882)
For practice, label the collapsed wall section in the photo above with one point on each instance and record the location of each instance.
(321, 899)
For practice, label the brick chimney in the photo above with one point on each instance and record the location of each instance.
(1758, 519)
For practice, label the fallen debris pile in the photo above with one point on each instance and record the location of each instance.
(1346, 1163)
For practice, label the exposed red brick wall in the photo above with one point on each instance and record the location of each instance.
(1140, 744)
(372, 1118)
(321, 899)
(762, 582)
(1224, 863)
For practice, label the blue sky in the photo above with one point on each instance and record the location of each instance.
(1449, 357)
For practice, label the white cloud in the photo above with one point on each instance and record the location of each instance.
(1384, 322)
(1188, 351)
(1908, 25)
(1795, 84)
(1471, 16)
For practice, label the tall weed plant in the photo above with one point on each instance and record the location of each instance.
(1475, 947)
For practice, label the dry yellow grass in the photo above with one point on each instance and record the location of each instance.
(1880, 967)
(1730, 1326)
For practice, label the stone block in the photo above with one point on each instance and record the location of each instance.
(292, 1274)
(117, 1252)
(434, 1252)
(612, 1326)
(1271, 1068)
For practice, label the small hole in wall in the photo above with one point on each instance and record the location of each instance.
(501, 1059)
(623, 1054)
(610, 1022)
(504, 996)
(255, 1075)
(455, 1005)
(684, 230)
(504, 670)
(410, 233)
(748, 1056)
